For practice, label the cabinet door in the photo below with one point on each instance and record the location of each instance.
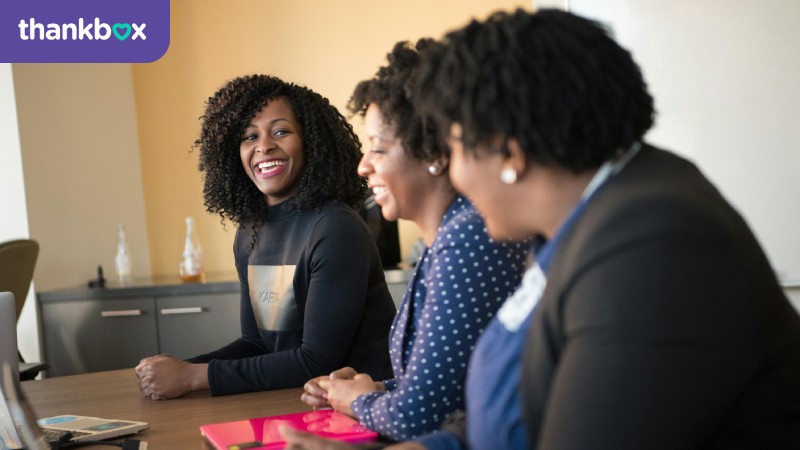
(94, 335)
(191, 325)
(397, 281)
(398, 291)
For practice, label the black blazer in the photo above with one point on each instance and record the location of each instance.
(662, 325)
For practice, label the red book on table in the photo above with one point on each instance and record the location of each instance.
(264, 432)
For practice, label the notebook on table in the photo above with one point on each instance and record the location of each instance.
(264, 432)
(18, 425)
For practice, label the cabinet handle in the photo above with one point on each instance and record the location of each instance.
(191, 310)
(121, 313)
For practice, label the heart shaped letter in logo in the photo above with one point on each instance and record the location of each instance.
(121, 26)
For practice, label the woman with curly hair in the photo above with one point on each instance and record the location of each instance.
(279, 161)
(458, 284)
(652, 318)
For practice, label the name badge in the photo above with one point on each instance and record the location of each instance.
(517, 308)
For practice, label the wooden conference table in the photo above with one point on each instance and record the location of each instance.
(174, 424)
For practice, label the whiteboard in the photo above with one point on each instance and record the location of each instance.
(725, 75)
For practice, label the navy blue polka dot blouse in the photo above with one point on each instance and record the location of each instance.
(458, 285)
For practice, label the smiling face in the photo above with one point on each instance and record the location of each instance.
(399, 182)
(272, 151)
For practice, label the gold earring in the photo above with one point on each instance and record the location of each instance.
(508, 176)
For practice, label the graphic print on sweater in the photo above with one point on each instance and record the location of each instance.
(272, 297)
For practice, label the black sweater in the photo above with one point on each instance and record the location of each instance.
(314, 299)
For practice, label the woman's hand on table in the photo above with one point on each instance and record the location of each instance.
(316, 396)
(163, 377)
(340, 393)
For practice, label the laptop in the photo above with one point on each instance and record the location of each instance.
(18, 425)
(264, 433)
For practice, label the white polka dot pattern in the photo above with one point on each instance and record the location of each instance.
(458, 285)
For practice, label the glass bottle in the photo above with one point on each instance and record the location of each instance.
(191, 266)
(122, 262)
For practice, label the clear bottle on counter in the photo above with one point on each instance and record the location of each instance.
(191, 266)
(122, 262)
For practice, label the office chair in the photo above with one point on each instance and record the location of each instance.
(17, 261)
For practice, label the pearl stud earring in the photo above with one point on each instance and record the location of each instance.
(433, 169)
(508, 176)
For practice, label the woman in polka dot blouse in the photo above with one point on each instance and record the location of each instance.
(459, 282)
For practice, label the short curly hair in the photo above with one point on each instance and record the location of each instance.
(391, 90)
(556, 82)
(331, 147)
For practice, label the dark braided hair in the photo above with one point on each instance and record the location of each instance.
(391, 90)
(554, 81)
(331, 148)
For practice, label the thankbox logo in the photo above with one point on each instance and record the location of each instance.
(131, 31)
(32, 30)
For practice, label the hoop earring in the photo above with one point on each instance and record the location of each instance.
(434, 170)
(508, 176)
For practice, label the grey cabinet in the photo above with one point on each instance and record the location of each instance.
(397, 281)
(190, 325)
(90, 330)
(93, 335)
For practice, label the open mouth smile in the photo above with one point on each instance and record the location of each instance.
(270, 168)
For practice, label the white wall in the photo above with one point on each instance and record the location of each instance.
(724, 74)
(14, 222)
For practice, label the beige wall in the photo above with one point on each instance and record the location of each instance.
(80, 156)
(108, 143)
(326, 45)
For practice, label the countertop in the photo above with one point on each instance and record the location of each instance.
(146, 287)
(171, 285)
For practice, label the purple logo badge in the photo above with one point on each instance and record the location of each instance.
(84, 31)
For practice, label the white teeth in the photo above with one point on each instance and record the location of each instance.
(266, 165)
(378, 190)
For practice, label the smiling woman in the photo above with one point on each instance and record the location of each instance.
(314, 296)
(272, 151)
(459, 282)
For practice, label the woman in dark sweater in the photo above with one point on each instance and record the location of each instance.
(280, 163)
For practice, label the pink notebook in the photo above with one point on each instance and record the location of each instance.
(263, 432)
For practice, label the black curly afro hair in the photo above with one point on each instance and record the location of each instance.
(391, 89)
(556, 82)
(331, 148)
